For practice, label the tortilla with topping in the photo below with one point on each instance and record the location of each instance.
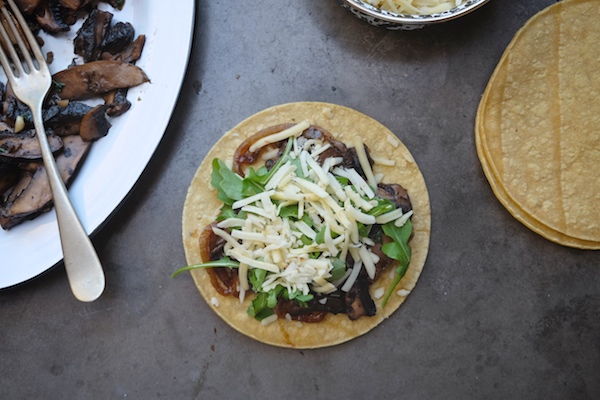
(306, 225)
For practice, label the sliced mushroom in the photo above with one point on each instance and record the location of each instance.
(55, 116)
(118, 4)
(95, 78)
(28, 6)
(12, 108)
(74, 5)
(26, 146)
(118, 37)
(91, 35)
(32, 195)
(117, 102)
(95, 125)
(358, 299)
(67, 128)
(9, 176)
(50, 18)
(396, 194)
(129, 54)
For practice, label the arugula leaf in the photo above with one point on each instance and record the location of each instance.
(343, 181)
(320, 238)
(383, 206)
(290, 212)
(273, 295)
(258, 307)
(338, 270)
(363, 230)
(399, 250)
(307, 220)
(257, 277)
(223, 262)
(306, 240)
(251, 187)
(296, 163)
(228, 183)
(298, 297)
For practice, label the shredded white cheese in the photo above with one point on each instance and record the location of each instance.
(295, 130)
(285, 247)
(424, 7)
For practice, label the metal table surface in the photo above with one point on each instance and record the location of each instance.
(499, 312)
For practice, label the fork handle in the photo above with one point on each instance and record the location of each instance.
(83, 267)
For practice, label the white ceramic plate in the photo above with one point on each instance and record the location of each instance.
(116, 161)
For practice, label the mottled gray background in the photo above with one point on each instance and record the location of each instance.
(498, 313)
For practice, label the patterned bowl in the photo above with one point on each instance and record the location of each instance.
(393, 21)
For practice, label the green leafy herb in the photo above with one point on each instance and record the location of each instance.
(296, 163)
(320, 238)
(298, 297)
(273, 295)
(290, 212)
(338, 270)
(223, 262)
(58, 86)
(363, 230)
(306, 240)
(342, 180)
(228, 184)
(258, 307)
(399, 250)
(307, 220)
(228, 212)
(257, 277)
(383, 206)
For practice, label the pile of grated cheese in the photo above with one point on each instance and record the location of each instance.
(422, 7)
(268, 241)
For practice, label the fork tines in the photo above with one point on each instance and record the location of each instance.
(13, 28)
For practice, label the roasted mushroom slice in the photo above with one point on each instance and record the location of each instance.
(95, 125)
(129, 54)
(118, 4)
(74, 110)
(95, 78)
(9, 176)
(358, 299)
(28, 6)
(32, 195)
(118, 37)
(74, 5)
(25, 145)
(91, 35)
(50, 17)
(117, 102)
(396, 194)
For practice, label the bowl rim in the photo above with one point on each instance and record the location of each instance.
(391, 17)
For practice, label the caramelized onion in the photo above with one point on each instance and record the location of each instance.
(243, 155)
(224, 280)
(297, 312)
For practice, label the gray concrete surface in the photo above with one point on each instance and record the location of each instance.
(498, 313)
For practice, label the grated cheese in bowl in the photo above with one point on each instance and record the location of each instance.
(423, 7)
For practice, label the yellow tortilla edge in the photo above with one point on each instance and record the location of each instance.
(491, 172)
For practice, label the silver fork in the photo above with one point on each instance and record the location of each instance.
(30, 80)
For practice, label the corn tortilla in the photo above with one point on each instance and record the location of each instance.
(536, 127)
(202, 206)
